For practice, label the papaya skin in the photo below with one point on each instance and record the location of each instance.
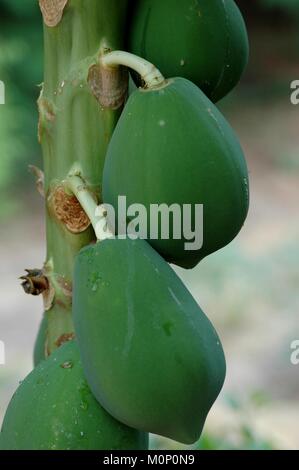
(54, 409)
(150, 355)
(40, 343)
(203, 41)
(181, 150)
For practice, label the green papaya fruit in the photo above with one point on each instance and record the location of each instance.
(203, 41)
(150, 355)
(40, 343)
(54, 409)
(180, 150)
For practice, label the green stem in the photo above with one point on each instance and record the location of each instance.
(75, 129)
(148, 72)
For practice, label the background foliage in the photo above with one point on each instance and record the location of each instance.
(21, 71)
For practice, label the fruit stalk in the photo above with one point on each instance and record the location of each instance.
(147, 71)
(79, 106)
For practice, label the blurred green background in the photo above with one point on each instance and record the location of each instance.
(249, 289)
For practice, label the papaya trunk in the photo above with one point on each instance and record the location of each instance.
(79, 108)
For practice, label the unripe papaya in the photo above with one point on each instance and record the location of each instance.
(150, 355)
(173, 146)
(204, 41)
(40, 343)
(54, 409)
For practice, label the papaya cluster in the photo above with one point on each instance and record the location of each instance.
(146, 359)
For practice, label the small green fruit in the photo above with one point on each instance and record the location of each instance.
(150, 355)
(173, 146)
(54, 409)
(204, 41)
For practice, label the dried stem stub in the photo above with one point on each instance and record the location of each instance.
(34, 282)
(109, 85)
(39, 179)
(68, 210)
(64, 339)
(52, 11)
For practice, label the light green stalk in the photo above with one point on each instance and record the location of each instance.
(147, 71)
(79, 108)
